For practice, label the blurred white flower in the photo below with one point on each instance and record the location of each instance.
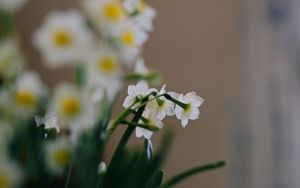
(152, 120)
(63, 38)
(12, 5)
(192, 111)
(161, 107)
(142, 13)
(144, 19)
(130, 38)
(105, 13)
(10, 173)
(10, 59)
(58, 155)
(67, 104)
(136, 92)
(140, 67)
(27, 93)
(102, 168)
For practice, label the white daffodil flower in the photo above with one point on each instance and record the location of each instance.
(63, 38)
(10, 173)
(140, 67)
(153, 121)
(104, 73)
(144, 19)
(130, 38)
(192, 111)
(136, 92)
(12, 5)
(27, 93)
(161, 107)
(106, 14)
(58, 155)
(10, 59)
(67, 104)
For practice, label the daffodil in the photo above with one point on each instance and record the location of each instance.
(10, 173)
(27, 93)
(10, 59)
(193, 102)
(11, 5)
(152, 120)
(130, 38)
(136, 92)
(67, 104)
(63, 38)
(58, 155)
(106, 14)
(161, 106)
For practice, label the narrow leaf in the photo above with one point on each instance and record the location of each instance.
(193, 171)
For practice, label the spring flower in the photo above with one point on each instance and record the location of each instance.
(161, 107)
(10, 59)
(140, 67)
(11, 5)
(10, 173)
(130, 38)
(105, 13)
(151, 120)
(63, 38)
(136, 92)
(142, 13)
(68, 104)
(58, 155)
(192, 111)
(27, 93)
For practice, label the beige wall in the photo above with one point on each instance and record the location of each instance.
(195, 46)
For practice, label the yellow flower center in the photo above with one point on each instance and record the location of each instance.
(128, 38)
(62, 38)
(113, 11)
(142, 6)
(108, 65)
(5, 180)
(62, 157)
(26, 99)
(70, 106)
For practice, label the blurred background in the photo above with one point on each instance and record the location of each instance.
(242, 57)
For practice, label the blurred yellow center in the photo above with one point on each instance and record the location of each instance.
(142, 5)
(25, 98)
(62, 157)
(70, 106)
(113, 11)
(128, 38)
(62, 38)
(5, 180)
(108, 65)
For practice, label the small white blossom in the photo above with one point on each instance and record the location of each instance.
(161, 107)
(27, 93)
(105, 14)
(63, 38)
(192, 111)
(130, 38)
(58, 155)
(152, 121)
(136, 92)
(10, 59)
(140, 67)
(11, 5)
(10, 173)
(102, 168)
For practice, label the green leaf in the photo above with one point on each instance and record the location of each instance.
(176, 179)
(156, 179)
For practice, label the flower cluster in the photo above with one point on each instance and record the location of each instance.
(159, 104)
(54, 134)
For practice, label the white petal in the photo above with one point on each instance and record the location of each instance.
(184, 122)
(128, 101)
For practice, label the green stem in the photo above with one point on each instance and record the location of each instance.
(181, 104)
(142, 125)
(193, 171)
(80, 76)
